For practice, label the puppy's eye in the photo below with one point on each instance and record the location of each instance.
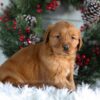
(73, 38)
(58, 36)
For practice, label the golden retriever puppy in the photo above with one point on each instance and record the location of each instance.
(50, 62)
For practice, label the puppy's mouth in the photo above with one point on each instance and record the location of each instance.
(67, 53)
(63, 53)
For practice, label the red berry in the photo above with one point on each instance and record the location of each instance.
(14, 22)
(83, 56)
(39, 10)
(87, 61)
(0, 18)
(29, 41)
(51, 4)
(28, 30)
(80, 64)
(98, 52)
(48, 7)
(20, 47)
(97, 48)
(6, 19)
(56, 4)
(19, 31)
(78, 56)
(21, 38)
(38, 5)
(14, 27)
(53, 8)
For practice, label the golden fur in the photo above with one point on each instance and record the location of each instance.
(47, 62)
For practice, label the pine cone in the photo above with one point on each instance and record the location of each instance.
(34, 38)
(31, 20)
(91, 12)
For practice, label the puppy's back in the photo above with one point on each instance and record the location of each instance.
(21, 65)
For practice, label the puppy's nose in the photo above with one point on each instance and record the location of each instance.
(66, 47)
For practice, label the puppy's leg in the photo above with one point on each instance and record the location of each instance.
(66, 82)
(10, 80)
(62, 83)
(71, 80)
(7, 76)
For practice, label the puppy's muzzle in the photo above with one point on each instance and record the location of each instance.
(65, 47)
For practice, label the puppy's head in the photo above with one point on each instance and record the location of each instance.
(63, 38)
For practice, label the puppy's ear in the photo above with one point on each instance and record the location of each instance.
(47, 33)
(80, 43)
